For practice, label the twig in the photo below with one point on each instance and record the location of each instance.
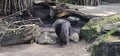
(13, 14)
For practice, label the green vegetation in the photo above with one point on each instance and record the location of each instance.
(93, 27)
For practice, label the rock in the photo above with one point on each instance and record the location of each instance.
(19, 35)
(111, 26)
(73, 18)
(111, 49)
(75, 37)
(50, 2)
(45, 38)
(108, 45)
(52, 11)
(38, 1)
(108, 48)
(75, 13)
(94, 27)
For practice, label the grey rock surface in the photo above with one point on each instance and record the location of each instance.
(45, 38)
(75, 37)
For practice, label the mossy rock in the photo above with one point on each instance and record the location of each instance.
(107, 49)
(94, 27)
(107, 45)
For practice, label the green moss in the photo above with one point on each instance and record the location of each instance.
(106, 36)
(97, 50)
(96, 47)
(93, 27)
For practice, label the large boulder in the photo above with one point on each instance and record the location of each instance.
(19, 35)
(46, 38)
(108, 45)
(96, 25)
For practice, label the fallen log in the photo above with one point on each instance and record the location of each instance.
(19, 35)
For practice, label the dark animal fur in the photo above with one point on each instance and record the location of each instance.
(63, 31)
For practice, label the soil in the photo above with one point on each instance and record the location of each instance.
(72, 49)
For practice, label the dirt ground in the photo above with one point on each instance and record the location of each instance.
(72, 49)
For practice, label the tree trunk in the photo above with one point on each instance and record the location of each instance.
(89, 2)
(8, 7)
